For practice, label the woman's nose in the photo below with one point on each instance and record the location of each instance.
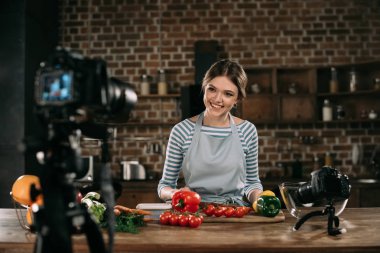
(218, 96)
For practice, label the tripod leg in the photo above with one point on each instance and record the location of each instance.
(306, 217)
(336, 221)
(94, 236)
(332, 218)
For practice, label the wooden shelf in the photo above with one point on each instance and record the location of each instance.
(351, 94)
(176, 95)
(275, 103)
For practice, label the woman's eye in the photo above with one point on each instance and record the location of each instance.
(211, 88)
(228, 94)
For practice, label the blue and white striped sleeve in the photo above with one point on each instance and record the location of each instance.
(174, 157)
(250, 136)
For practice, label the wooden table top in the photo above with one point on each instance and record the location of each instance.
(362, 224)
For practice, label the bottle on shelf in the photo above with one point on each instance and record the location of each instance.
(162, 84)
(327, 111)
(353, 81)
(334, 81)
(328, 159)
(340, 112)
(372, 114)
(376, 83)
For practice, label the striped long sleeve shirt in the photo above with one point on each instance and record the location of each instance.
(179, 142)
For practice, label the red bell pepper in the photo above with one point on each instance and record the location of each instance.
(186, 201)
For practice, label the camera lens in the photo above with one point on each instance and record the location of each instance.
(304, 194)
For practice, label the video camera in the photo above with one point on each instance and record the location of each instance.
(74, 96)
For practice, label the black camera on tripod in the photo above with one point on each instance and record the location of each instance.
(327, 188)
(74, 96)
(326, 183)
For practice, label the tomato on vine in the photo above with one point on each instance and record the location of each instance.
(229, 211)
(183, 220)
(165, 218)
(194, 221)
(209, 210)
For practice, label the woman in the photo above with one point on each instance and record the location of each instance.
(217, 152)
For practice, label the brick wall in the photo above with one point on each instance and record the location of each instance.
(138, 37)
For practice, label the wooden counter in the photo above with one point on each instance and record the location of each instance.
(362, 224)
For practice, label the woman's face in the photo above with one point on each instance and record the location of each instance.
(220, 95)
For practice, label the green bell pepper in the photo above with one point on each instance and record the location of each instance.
(268, 206)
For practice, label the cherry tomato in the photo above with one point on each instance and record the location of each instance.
(219, 211)
(240, 211)
(247, 209)
(194, 221)
(201, 217)
(209, 210)
(165, 218)
(173, 220)
(229, 212)
(183, 220)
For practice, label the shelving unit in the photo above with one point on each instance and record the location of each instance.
(358, 103)
(296, 95)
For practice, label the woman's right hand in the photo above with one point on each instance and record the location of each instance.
(168, 192)
(185, 189)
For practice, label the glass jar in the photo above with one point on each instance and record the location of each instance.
(372, 114)
(162, 84)
(353, 81)
(145, 86)
(327, 111)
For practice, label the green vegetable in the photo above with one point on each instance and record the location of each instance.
(268, 206)
(95, 208)
(125, 222)
(129, 222)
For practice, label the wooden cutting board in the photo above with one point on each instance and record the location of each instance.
(158, 208)
(251, 217)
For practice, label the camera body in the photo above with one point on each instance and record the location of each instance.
(68, 81)
(326, 183)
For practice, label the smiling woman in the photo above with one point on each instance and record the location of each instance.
(216, 151)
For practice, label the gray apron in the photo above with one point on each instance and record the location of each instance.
(215, 167)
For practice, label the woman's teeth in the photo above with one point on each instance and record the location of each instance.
(215, 106)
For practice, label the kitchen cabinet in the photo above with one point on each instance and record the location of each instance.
(364, 195)
(296, 95)
(135, 192)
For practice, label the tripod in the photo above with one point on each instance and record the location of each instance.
(331, 220)
(61, 216)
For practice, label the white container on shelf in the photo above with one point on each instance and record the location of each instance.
(327, 111)
(145, 85)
